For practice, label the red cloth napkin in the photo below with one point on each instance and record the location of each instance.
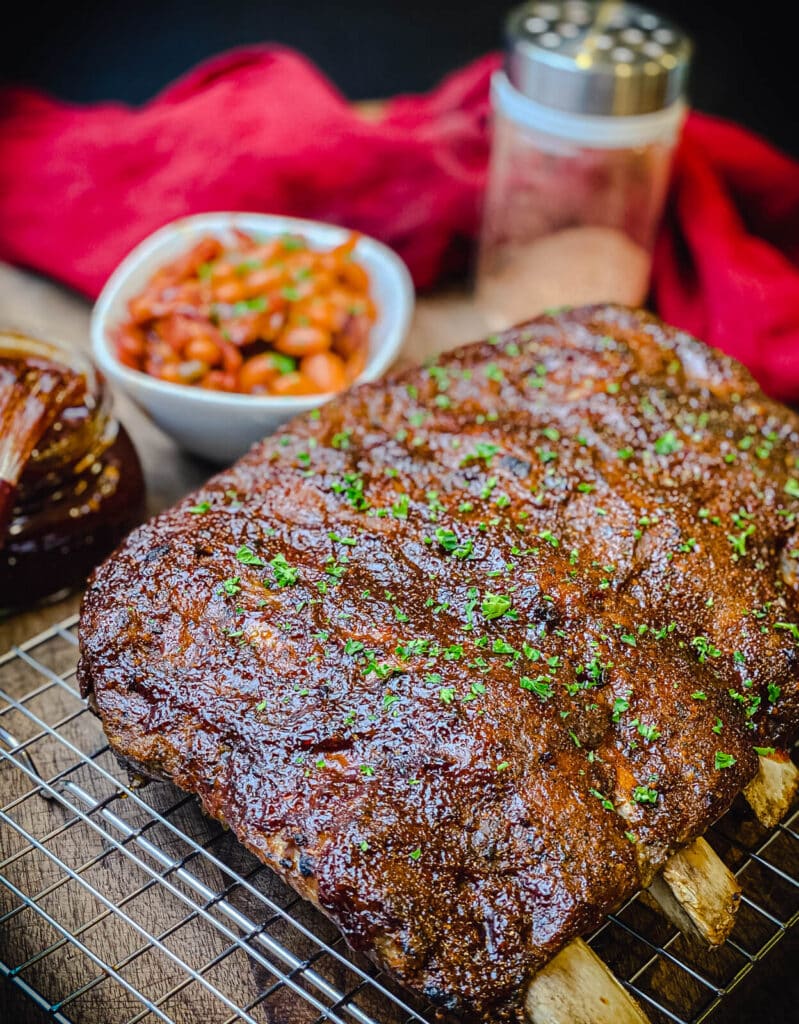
(262, 129)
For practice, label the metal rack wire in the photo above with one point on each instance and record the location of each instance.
(124, 904)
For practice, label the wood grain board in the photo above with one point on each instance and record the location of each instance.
(41, 308)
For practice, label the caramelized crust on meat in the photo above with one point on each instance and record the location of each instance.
(469, 653)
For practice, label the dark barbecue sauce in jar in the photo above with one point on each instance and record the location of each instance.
(71, 484)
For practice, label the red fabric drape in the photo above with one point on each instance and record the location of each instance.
(261, 129)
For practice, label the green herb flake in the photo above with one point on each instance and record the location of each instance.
(704, 649)
(792, 487)
(248, 557)
(645, 795)
(620, 705)
(667, 444)
(285, 574)
(484, 451)
(541, 685)
(400, 507)
(449, 541)
(494, 606)
(606, 803)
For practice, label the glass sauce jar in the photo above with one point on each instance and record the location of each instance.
(586, 116)
(80, 491)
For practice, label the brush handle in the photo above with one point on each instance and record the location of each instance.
(8, 493)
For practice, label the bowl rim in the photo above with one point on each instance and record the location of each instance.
(378, 363)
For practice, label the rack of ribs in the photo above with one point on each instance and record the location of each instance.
(470, 655)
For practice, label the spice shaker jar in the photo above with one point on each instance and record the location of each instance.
(586, 115)
(77, 482)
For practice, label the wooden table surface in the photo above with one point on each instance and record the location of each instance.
(39, 307)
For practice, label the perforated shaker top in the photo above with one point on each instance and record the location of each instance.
(596, 58)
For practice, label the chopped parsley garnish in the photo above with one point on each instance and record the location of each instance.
(667, 444)
(606, 803)
(483, 450)
(256, 305)
(764, 751)
(285, 364)
(341, 440)
(494, 606)
(201, 509)
(738, 541)
(722, 760)
(704, 649)
(351, 486)
(232, 585)
(645, 795)
(792, 487)
(620, 705)
(448, 540)
(248, 557)
(541, 685)
(400, 507)
(285, 574)
(649, 732)
(348, 541)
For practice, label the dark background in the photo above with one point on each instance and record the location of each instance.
(745, 65)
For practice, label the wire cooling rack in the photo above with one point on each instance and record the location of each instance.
(120, 904)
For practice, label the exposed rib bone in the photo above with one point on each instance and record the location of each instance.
(575, 987)
(771, 791)
(698, 893)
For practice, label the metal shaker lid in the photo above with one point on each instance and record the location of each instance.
(606, 58)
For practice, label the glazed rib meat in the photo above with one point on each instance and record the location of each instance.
(466, 655)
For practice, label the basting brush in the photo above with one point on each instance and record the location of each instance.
(33, 393)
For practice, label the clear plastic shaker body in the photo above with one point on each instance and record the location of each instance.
(566, 221)
(587, 113)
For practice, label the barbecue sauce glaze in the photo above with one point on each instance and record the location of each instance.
(469, 653)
